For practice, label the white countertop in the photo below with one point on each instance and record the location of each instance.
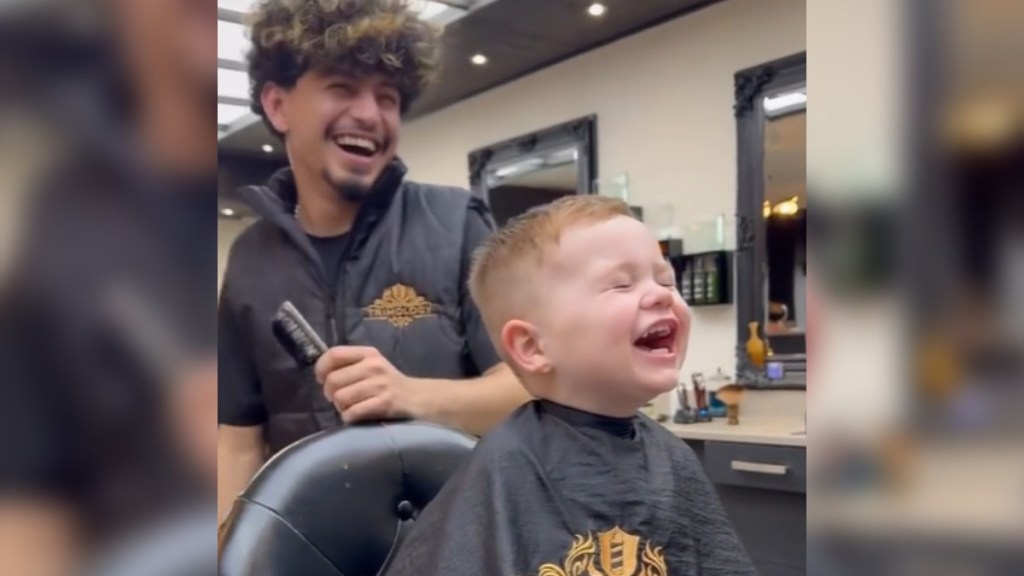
(755, 430)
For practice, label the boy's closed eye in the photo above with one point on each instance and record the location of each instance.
(623, 282)
(664, 275)
(619, 281)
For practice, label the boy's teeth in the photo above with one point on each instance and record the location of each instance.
(660, 331)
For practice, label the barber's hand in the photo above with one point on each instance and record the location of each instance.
(363, 385)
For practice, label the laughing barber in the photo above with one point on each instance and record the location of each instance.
(376, 263)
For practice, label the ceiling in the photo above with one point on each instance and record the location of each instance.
(518, 37)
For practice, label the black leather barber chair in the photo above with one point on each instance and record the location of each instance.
(339, 503)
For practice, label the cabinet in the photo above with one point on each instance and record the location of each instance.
(763, 489)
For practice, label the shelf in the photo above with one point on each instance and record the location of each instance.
(709, 234)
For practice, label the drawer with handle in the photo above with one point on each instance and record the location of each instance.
(756, 466)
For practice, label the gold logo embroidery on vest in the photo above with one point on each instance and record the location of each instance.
(614, 553)
(400, 305)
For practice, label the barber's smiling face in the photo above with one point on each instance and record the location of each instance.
(341, 128)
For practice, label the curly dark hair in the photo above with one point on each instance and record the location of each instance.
(353, 37)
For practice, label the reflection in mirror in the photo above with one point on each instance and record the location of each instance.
(771, 212)
(519, 185)
(536, 168)
(785, 213)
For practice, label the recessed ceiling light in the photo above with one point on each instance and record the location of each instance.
(268, 148)
(596, 9)
(227, 212)
(478, 59)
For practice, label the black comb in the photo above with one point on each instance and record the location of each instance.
(296, 336)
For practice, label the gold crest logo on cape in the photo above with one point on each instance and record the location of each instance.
(400, 305)
(614, 553)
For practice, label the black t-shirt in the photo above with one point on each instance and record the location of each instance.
(332, 253)
(240, 401)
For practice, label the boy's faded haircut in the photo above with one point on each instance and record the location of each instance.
(504, 264)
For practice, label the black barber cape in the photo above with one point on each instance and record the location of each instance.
(558, 492)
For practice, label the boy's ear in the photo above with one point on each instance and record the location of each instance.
(522, 345)
(272, 99)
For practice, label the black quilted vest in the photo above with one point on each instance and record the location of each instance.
(399, 291)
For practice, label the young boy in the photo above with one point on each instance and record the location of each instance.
(583, 307)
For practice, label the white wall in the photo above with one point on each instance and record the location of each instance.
(663, 100)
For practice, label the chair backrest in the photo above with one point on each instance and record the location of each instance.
(339, 502)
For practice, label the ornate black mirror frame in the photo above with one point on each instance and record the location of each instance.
(579, 134)
(751, 85)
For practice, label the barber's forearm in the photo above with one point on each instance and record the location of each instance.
(474, 405)
(239, 456)
(234, 474)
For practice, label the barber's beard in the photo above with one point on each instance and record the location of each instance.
(350, 189)
(354, 190)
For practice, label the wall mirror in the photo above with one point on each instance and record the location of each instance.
(771, 259)
(536, 168)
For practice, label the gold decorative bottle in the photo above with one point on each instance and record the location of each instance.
(755, 346)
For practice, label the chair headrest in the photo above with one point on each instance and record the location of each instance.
(339, 502)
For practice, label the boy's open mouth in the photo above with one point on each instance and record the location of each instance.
(659, 338)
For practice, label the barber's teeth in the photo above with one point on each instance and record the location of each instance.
(347, 140)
